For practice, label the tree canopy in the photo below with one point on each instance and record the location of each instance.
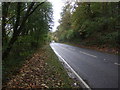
(91, 23)
(25, 24)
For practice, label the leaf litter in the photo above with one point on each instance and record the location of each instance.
(36, 73)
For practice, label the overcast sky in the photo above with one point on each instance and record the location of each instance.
(57, 8)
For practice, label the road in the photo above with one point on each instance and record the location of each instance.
(99, 70)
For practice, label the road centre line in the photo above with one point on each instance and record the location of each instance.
(117, 64)
(81, 80)
(88, 54)
(84, 53)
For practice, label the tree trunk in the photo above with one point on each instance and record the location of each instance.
(14, 38)
(5, 7)
(17, 30)
(10, 45)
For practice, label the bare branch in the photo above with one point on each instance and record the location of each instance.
(17, 18)
(15, 14)
(35, 8)
(25, 18)
(4, 15)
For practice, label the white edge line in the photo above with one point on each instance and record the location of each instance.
(84, 83)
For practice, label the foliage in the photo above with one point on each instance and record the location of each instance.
(24, 19)
(21, 43)
(93, 23)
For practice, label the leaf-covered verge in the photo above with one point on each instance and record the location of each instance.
(25, 28)
(42, 70)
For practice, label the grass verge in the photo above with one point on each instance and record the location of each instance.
(42, 70)
(56, 67)
(12, 65)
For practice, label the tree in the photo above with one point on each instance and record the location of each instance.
(16, 22)
(90, 22)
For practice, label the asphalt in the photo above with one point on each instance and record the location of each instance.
(97, 69)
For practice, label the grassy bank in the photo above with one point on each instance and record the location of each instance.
(41, 70)
(56, 67)
(15, 61)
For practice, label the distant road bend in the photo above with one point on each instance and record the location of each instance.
(100, 70)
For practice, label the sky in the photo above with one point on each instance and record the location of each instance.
(57, 9)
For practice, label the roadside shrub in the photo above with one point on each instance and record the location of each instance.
(70, 34)
(112, 38)
(88, 28)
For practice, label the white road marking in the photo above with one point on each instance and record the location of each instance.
(117, 64)
(82, 52)
(81, 80)
(68, 48)
(104, 59)
(88, 54)
(72, 49)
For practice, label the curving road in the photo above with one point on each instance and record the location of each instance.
(99, 70)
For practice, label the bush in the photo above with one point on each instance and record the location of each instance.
(70, 34)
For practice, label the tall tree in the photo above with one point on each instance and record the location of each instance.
(16, 21)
